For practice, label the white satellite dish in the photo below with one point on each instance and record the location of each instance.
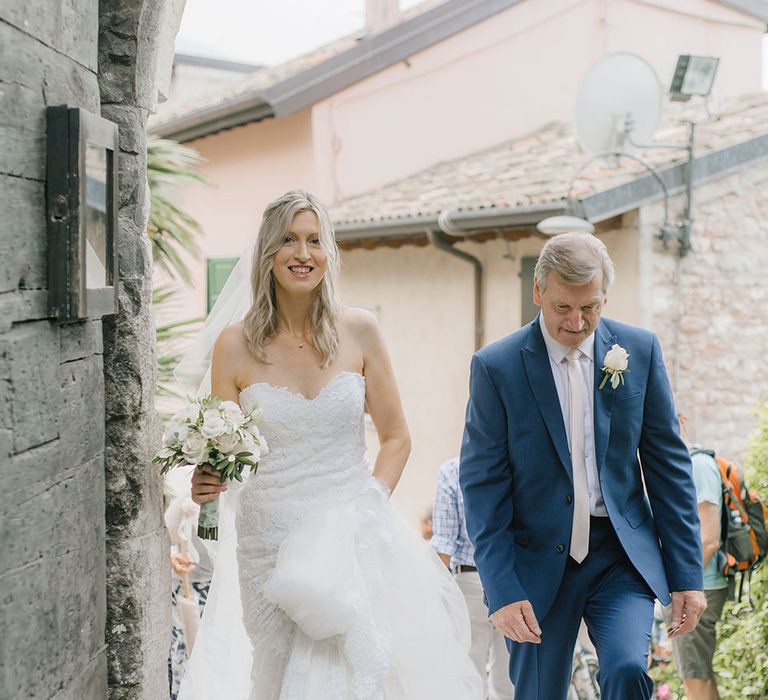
(620, 98)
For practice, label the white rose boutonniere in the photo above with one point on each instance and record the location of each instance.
(614, 365)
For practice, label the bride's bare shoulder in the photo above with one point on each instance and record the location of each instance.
(231, 341)
(357, 320)
(361, 324)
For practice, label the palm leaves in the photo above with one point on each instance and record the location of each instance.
(172, 231)
(174, 234)
(169, 338)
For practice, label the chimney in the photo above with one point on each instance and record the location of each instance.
(381, 14)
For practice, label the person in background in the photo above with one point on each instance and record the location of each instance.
(449, 539)
(693, 653)
(426, 524)
(191, 569)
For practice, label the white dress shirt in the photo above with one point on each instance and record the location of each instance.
(559, 366)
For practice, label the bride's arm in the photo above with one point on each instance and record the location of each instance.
(383, 399)
(227, 357)
(206, 484)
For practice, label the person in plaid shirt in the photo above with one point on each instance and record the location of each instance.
(450, 540)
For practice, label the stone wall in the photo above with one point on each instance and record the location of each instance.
(135, 36)
(723, 370)
(84, 575)
(52, 557)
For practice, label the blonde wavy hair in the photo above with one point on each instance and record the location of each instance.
(260, 323)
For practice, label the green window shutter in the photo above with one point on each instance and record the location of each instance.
(217, 274)
(528, 309)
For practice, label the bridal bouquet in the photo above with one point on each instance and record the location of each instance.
(218, 434)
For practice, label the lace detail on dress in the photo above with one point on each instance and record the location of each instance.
(341, 600)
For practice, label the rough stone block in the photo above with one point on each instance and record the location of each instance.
(132, 123)
(69, 26)
(22, 132)
(22, 305)
(23, 263)
(52, 584)
(90, 684)
(79, 340)
(69, 83)
(134, 486)
(81, 420)
(20, 58)
(31, 350)
(139, 615)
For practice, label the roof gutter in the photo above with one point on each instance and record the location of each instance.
(438, 239)
(456, 220)
(210, 120)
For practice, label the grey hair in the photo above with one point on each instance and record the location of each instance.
(575, 258)
(260, 323)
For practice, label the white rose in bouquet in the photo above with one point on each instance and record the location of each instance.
(228, 443)
(188, 414)
(232, 414)
(175, 433)
(195, 448)
(213, 424)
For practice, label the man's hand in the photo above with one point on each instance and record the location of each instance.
(518, 622)
(687, 608)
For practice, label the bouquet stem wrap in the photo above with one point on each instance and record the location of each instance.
(208, 521)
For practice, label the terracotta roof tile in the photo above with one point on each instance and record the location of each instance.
(537, 168)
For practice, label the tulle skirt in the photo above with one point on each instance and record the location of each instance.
(367, 611)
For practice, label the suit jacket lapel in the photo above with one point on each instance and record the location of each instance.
(542, 383)
(604, 399)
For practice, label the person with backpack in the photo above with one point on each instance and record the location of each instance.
(693, 652)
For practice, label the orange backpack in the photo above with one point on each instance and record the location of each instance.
(744, 523)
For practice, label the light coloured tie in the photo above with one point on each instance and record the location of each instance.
(580, 532)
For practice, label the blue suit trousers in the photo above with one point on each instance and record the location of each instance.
(617, 606)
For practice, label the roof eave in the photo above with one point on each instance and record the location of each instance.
(226, 115)
(754, 8)
(368, 57)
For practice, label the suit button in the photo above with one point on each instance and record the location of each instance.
(569, 499)
(560, 549)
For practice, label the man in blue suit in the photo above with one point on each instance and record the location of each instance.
(577, 487)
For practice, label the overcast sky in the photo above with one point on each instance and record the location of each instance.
(267, 31)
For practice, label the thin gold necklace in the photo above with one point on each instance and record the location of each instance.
(299, 342)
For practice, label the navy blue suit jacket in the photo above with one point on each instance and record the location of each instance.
(516, 476)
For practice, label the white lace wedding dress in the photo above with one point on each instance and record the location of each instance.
(340, 599)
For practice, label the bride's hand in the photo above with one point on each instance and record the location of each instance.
(206, 485)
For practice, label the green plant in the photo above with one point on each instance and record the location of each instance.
(172, 232)
(168, 337)
(741, 661)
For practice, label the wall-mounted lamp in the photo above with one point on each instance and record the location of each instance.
(81, 208)
(553, 225)
(694, 75)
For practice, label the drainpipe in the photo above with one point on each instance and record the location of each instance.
(438, 239)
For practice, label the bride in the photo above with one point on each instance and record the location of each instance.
(320, 592)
